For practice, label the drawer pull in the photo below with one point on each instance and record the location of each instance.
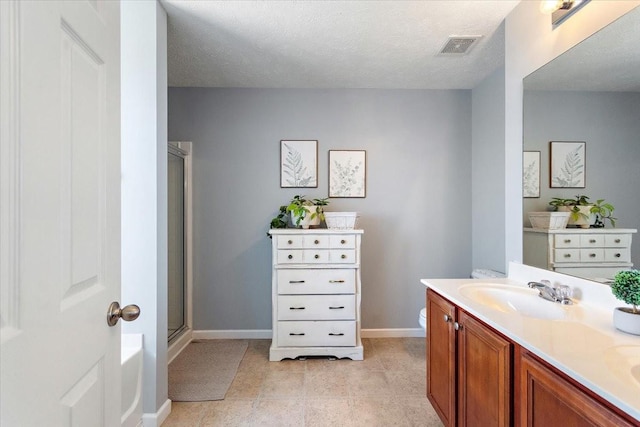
(290, 256)
(567, 255)
(592, 255)
(296, 308)
(567, 240)
(331, 334)
(592, 240)
(343, 241)
(316, 256)
(343, 256)
(336, 308)
(617, 255)
(296, 281)
(617, 240)
(316, 241)
(336, 281)
(296, 335)
(290, 242)
(447, 318)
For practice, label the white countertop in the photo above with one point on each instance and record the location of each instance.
(584, 344)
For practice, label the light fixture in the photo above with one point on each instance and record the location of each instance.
(561, 10)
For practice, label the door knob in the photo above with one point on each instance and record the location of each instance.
(127, 313)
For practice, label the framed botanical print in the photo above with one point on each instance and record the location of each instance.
(531, 174)
(299, 164)
(567, 164)
(347, 173)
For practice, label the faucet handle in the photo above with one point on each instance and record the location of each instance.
(564, 293)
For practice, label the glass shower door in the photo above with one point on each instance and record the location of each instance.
(176, 245)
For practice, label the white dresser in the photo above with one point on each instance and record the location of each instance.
(316, 293)
(595, 253)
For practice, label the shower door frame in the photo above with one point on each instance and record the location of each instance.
(180, 339)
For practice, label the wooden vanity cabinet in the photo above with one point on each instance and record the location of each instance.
(547, 396)
(469, 367)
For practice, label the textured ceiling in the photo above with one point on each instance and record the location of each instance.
(609, 60)
(332, 44)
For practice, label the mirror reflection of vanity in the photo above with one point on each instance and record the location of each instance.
(591, 93)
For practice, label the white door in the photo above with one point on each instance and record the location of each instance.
(60, 211)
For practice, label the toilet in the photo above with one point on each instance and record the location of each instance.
(479, 273)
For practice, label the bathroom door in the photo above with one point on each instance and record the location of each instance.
(60, 212)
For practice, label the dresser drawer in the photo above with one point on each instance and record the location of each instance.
(318, 281)
(566, 241)
(303, 242)
(592, 241)
(592, 255)
(617, 240)
(316, 307)
(566, 255)
(316, 334)
(617, 255)
(347, 241)
(319, 256)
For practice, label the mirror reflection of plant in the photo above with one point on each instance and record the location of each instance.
(602, 210)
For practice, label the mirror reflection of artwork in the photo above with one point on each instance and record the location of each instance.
(298, 164)
(568, 164)
(531, 174)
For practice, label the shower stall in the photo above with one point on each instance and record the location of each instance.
(179, 290)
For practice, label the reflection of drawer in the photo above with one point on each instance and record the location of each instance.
(321, 256)
(592, 241)
(319, 281)
(617, 240)
(347, 242)
(316, 307)
(592, 255)
(617, 255)
(567, 255)
(316, 334)
(566, 241)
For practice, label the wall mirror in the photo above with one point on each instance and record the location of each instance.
(590, 94)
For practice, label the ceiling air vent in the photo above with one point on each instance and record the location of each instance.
(459, 45)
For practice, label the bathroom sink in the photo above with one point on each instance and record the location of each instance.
(512, 299)
(624, 361)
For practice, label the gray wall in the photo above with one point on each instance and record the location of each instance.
(488, 174)
(416, 216)
(609, 122)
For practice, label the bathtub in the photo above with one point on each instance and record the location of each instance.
(131, 359)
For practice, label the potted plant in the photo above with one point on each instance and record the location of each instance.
(626, 287)
(300, 212)
(585, 213)
(306, 212)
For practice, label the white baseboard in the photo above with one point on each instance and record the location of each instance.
(179, 344)
(266, 333)
(156, 420)
(393, 333)
(249, 334)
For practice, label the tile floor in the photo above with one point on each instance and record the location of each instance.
(387, 388)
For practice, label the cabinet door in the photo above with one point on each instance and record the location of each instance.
(441, 377)
(546, 399)
(484, 375)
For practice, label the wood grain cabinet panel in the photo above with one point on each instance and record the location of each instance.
(548, 398)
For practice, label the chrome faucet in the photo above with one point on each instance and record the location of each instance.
(558, 293)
